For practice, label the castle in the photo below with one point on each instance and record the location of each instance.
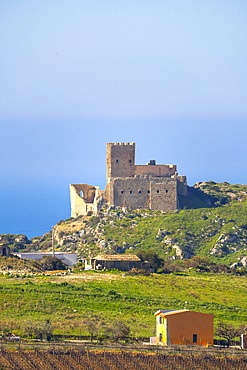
(151, 186)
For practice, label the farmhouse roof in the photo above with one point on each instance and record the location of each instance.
(116, 257)
(169, 312)
(165, 313)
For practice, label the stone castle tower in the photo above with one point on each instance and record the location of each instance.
(151, 186)
(120, 160)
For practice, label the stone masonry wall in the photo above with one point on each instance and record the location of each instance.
(182, 186)
(160, 170)
(134, 193)
(120, 160)
(164, 194)
(85, 198)
(152, 186)
(77, 204)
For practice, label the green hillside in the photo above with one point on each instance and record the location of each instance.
(211, 226)
(71, 301)
(209, 234)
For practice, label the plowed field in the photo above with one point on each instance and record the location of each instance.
(115, 360)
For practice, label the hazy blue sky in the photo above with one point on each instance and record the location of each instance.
(169, 75)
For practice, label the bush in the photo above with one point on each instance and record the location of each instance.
(152, 257)
(38, 330)
(50, 263)
(118, 330)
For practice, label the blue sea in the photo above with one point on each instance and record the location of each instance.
(32, 209)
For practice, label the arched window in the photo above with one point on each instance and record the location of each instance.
(81, 194)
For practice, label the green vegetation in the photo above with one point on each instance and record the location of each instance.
(212, 224)
(16, 264)
(228, 331)
(218, 233)
(69, 301)
(200, 253)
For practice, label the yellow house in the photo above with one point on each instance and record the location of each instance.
(183, 327)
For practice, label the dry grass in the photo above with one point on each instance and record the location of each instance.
(69, 226)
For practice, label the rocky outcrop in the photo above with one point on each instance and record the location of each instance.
(229, 243)
(14, 241)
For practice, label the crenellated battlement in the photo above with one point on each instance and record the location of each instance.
(120, 143)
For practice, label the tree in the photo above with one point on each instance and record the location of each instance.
(28, 328)
(227, 331)
(40, 330)
(151, 256)
(95, 328)
(47, 330)
(119, 330)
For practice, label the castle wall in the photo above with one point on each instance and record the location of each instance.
(164, 194)
(182, 186)
(150, 186)
(130, 192)
(84, 198)
(160, 170)
(77, 204)
(134, 193)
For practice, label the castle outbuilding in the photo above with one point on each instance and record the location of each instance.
(151, 186)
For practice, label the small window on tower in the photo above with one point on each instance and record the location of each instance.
(139, 191)
(158, 191)
(130, 161)
(122, 191)
(116, 160)
(130, 191)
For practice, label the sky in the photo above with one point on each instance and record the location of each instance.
(170, 75)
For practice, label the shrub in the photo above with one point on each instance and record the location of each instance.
(50, 263)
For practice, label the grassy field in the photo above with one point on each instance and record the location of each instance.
(70, 299)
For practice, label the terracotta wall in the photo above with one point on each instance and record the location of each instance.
(181, 328)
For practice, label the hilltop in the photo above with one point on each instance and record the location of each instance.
(212, 226)
(210, 237)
